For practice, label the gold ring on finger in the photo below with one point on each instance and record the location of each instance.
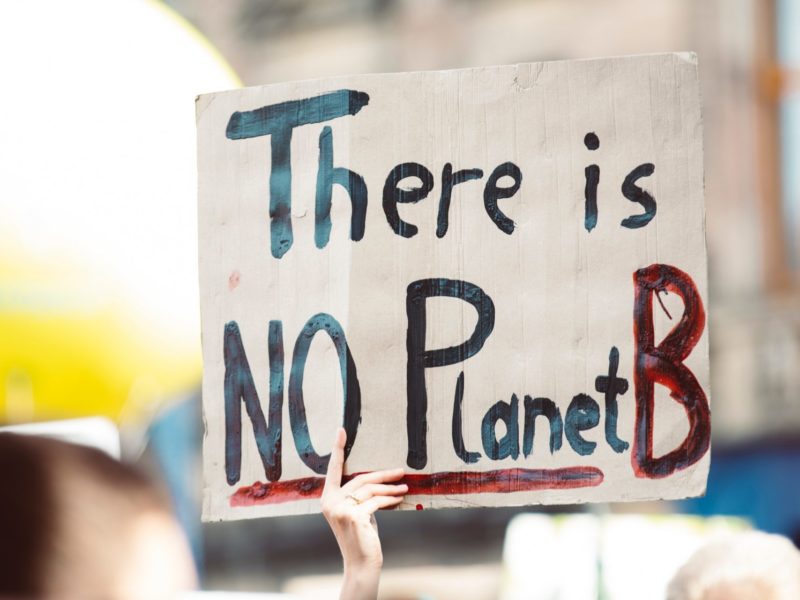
(354, 499)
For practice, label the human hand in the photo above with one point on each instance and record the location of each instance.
(350, 511)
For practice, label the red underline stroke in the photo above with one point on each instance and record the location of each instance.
(502, 481)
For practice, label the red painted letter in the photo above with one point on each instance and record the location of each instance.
(663, 364)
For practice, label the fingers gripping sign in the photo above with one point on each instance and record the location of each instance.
(349, 510)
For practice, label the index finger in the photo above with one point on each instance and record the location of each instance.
(333, 479)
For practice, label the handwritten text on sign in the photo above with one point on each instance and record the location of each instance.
(494, 277)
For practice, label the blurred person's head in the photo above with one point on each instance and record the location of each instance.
(745, 566)
(75, 523)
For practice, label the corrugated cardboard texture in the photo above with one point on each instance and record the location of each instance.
(555, 283)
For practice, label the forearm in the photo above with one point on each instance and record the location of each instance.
(360, 583)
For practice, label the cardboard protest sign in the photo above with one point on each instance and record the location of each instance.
(494, 277)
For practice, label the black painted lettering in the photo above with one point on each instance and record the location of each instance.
(535, 407)
(583, 413)
(509, 444)
(449, 181)
(394, 195)
(419, 359)
(592, 176)
(492, 193)
(636, 194)
(610, 386)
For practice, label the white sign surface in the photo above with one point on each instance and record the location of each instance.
(494, 277)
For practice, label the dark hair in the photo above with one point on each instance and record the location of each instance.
(64, 510)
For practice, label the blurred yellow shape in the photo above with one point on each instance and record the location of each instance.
(69, 347)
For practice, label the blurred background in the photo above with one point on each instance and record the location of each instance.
(98, 275)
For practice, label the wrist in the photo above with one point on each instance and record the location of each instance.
(360, 581)
(362, 568)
